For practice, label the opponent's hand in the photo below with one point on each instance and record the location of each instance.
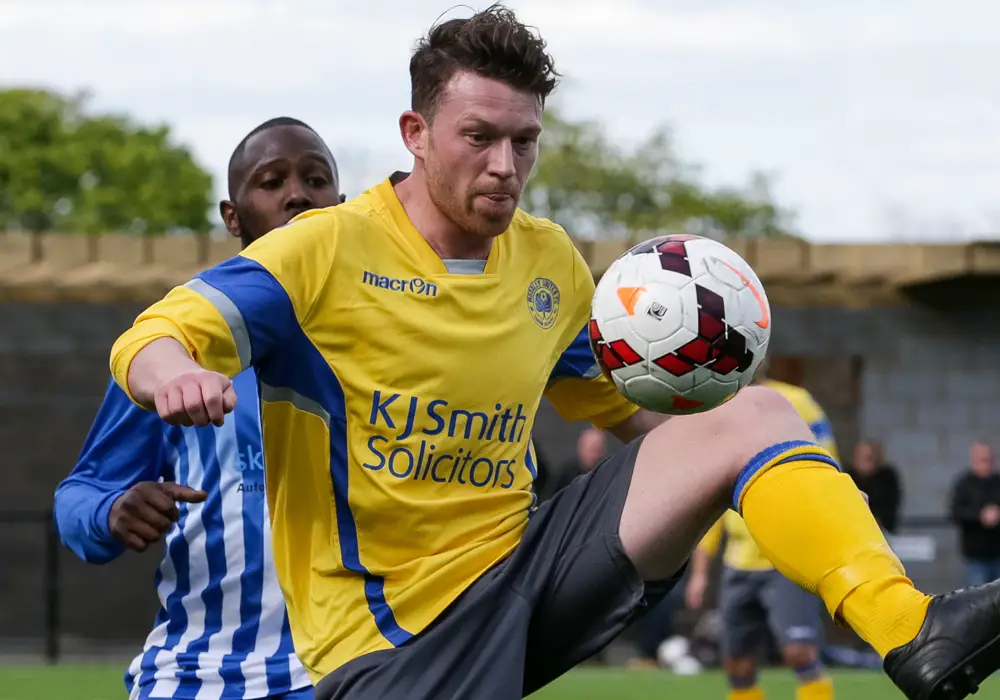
(197, 397)
(694, 594)
(142, 515)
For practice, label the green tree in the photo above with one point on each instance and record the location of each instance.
(65, 169)
(595, 189)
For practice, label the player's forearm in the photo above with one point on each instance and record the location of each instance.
(157, 363)
(701, 562)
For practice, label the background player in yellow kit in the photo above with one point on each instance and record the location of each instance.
(403, 341)
(755, 598)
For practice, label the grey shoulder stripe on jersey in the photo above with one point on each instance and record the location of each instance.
(273, 394)
(234, 319)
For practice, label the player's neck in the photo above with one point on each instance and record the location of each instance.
(441, 233)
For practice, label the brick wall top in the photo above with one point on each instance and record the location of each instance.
(112, 267)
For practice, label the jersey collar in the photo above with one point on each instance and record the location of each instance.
(387, 193)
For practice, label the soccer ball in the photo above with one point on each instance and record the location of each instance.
(680, 324)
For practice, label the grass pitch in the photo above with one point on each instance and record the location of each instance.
(105, 683)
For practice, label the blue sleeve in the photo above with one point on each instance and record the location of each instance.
(124, 446)
(822, 428)
(577, 361)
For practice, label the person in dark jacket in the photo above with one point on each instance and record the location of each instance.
(591, 448)
(879, 481)
(975, 508)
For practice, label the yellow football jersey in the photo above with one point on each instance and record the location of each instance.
(741, 551)
(397, 403)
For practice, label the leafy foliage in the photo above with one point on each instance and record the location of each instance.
(62, 169)
(595, 189)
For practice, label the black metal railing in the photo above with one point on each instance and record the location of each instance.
(50, 572)
(54, 587)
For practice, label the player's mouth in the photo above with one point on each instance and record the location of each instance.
(498, 197)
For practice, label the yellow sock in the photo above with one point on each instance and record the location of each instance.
(820, 689)
(811, 521)
(754, 693)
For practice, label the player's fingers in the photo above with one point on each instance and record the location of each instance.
(161, 499)
(865, 496)
(176, 415)
(211, 395)
(229, 399)
(143, 530)
(161, 405)
(185, 494)
(163, 401)
(134, 542)
(153, 517)
(194, 404)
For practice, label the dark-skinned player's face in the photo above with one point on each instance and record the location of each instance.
(284, 171)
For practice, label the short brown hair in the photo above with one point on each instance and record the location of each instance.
(492, 43)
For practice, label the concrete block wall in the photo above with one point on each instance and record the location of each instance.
(928, 386)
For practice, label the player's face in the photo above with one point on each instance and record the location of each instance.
(482, 144)
(288, 170)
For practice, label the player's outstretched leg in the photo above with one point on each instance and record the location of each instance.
(755, 454)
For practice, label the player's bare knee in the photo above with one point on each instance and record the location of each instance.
(757, 418)
(726, 438)
(753, 420)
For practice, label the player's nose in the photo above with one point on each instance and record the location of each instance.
(501, 163)
(297, 199)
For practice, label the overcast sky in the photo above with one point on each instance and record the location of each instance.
(878, 120)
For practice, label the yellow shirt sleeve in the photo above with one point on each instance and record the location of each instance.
(820, 425)
(577, 387)
(811, 412)
(233, 315)
(712, 539)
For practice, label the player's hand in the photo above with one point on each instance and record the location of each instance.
(990, 515)
(142, 515)
(198, 397)
(694, 594)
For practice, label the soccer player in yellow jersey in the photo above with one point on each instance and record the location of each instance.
(403, 341)
(754, 597)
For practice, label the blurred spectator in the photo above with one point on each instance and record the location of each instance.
(975, 508)
(591, 448)
(880, 481)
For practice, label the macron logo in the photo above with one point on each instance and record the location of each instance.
(412, 286)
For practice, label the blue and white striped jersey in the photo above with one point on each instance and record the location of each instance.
(222, 629)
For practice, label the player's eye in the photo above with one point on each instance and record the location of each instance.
(317, 181)
(478, 138)
(271, 183)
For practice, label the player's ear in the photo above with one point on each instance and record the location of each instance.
(230, 218)
(413, 129)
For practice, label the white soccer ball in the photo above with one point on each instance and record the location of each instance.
(680, 324)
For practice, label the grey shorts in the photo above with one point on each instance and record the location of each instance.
(753, 603)
(565, 592)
